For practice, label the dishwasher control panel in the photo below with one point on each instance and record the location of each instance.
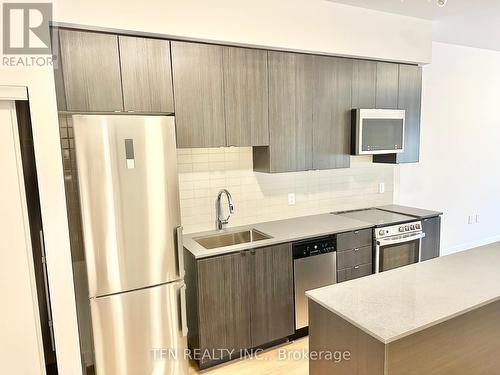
(314, 247)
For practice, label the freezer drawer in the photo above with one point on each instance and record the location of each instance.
(128, 183)
(140, 332)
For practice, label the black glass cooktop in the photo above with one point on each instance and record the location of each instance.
(376, 217)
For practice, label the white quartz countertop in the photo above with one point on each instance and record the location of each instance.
(394, 304)
(281, 231)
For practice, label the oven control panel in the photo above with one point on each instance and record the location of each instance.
(394, 230)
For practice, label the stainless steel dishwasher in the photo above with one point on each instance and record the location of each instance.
(314, 266)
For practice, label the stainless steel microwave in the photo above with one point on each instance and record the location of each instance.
(378, 131)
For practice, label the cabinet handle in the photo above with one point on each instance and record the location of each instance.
(356, 232)
(356, 267)
(356, 249)
(243, 252)
(252, 251)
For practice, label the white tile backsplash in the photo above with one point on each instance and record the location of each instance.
(262, 197)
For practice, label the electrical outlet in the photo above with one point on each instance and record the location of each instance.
(470, 219)
(381, 188)
(477, 218)
(291, 199)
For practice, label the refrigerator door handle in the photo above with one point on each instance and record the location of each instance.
(184, 325)
(180, 252)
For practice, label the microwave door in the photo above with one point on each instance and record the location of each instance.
(379, 131)
(382, 135)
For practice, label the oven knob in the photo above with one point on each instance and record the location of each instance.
(417, 226)
(412, 227)
(401, 229)
(381, 232)
(407, 228)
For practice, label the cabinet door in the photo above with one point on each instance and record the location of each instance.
(272, 300)
(245, 97)
(410, 91)
(290, 111)
(364, 83)
(387, 86)
(409, 99)
(331, 112)
(91, 71)
(146, 74)
(432, 239)
(199, 105)
(224, 286)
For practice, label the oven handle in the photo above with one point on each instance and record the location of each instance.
(388, 241)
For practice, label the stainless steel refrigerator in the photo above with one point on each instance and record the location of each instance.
(127, 178)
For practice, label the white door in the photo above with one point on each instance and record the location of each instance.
(21, 350)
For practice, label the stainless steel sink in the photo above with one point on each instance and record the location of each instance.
(231, 238)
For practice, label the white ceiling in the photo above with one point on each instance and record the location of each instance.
(474, 23)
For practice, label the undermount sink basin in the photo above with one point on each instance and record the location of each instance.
(231, 238)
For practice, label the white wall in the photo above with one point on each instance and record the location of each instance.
(459, 169)
(307, 25)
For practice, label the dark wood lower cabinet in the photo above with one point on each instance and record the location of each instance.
(431, 242)
(272, 310)
(223, 302)
(239, 301)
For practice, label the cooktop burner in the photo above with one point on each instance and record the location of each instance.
(376, 217)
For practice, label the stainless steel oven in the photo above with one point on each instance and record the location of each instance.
(398, 246)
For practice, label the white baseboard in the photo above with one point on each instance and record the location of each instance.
(470, 245)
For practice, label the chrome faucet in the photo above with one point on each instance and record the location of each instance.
(220, 222)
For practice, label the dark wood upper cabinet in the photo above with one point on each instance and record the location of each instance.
(91, 71)
(432, 240)
(146, 74)
(386, 96)
(290, 114)
(272, 300)
(364, 83)
(246, 97)
(409, 99)
(199, 97)
(331, 112)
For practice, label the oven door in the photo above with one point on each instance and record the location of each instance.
(398, 251)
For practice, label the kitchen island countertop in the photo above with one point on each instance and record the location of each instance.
(397, 303)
